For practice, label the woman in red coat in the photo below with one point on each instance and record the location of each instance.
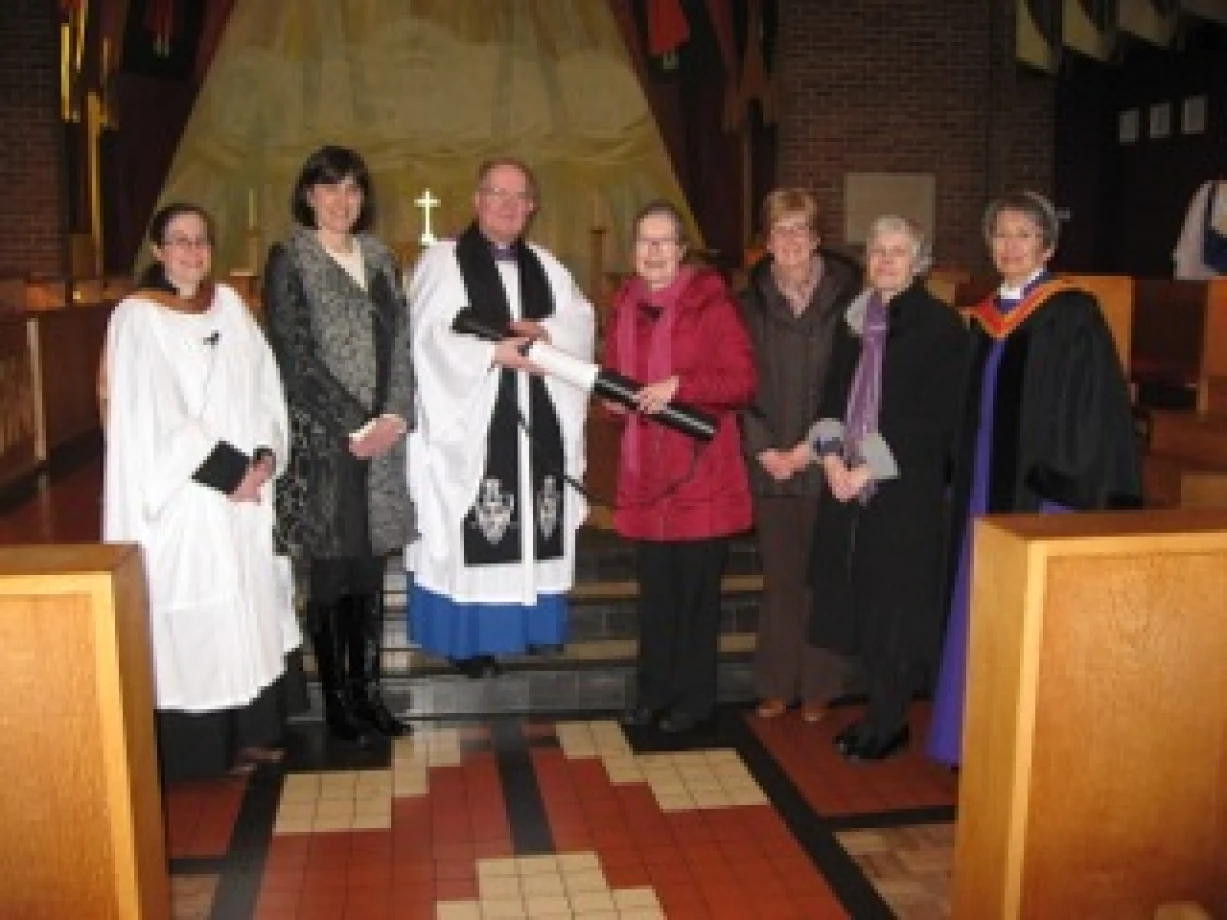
(677, 328)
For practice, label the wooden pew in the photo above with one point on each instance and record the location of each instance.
(943, 282)
(12, 295)
(1180, 342)
(48, 398)
(82, 807)
(22, 444)
(1115, 294)
(1212, 378)
(1169, 319)
(1094, 763)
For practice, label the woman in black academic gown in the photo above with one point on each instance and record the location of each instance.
(1047, 424)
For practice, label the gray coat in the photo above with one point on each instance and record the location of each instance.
(791, 353)
(344, 359)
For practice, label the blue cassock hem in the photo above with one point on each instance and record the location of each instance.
(451, 629)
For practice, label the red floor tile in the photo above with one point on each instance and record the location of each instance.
(732, 862)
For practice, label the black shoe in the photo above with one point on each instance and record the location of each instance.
(363, 620)
(871, 748)
(469, 667)
(371, 709)
(675, 723)
(342, 725)
(639, 717)
(489, 666)
(847, 740)
(478, 666)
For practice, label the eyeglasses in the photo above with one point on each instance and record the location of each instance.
(890, 252)
(188, 242)
(655, 242)
(798, 230)
(1004, 236)
(506, 194)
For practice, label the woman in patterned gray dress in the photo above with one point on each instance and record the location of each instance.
(339, 327)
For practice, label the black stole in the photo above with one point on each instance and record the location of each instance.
(492, 528)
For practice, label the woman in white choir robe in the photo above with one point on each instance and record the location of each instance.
(195, 430)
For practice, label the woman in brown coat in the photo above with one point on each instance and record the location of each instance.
(795, 297)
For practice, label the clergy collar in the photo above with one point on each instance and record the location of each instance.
(501, 252)
(197, 303)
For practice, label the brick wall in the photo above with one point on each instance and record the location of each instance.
(30, 168)
(877, 86)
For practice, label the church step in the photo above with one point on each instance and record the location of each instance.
(1178, 482)
(594, 671)
(608, 610)
(543, 688)
(1201, 438)
(408, 662)
(603, 558)
(603, 600)
(586, 654)
(1214, 395)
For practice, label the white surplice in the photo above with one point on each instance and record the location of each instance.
(1188, 256)
(456, 390)
(220, 602)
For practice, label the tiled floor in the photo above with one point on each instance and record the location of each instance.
(520, 817)
(540, 818)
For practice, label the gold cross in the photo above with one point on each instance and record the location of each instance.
(427, 202)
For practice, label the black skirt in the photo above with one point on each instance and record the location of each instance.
(205, 745)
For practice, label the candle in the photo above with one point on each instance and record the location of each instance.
(251, 209)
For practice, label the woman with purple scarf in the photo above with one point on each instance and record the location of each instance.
(884, 438)
(677, 328)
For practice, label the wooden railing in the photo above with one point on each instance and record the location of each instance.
(48, 396)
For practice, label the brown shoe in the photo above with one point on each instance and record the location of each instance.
(771, 708)
(254, 755)
(812, 711)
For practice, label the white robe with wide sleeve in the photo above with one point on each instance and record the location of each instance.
(456, 390)
(220, 602)
(1188, 256)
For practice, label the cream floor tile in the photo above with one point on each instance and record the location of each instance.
(457, 910)
(503, 909)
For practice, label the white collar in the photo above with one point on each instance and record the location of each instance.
(1009, 292)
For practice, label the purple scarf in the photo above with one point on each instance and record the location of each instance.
(659, 360)
(865, 397)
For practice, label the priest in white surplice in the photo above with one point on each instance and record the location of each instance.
(195, 429)
(495, 441)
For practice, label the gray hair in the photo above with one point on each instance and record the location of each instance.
(660, 207)
(922, 253)
(1034, 206)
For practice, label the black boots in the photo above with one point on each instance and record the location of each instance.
(347, 638)
(329, 642)
(364, 621)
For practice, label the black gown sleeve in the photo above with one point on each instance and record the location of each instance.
(1092, 458)
(223, 469)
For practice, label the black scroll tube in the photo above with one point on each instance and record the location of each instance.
(610, 385)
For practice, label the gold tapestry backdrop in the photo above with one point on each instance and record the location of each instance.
(424, 90)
